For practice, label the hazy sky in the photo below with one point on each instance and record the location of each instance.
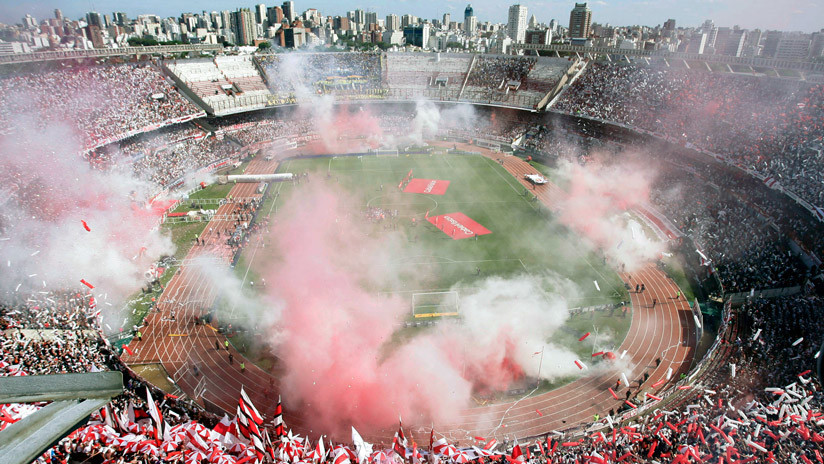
(804, 15)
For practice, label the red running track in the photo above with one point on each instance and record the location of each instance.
(665, 331)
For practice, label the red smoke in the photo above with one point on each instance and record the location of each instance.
(341, 369)
(596, 194)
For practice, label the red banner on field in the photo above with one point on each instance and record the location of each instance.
(427, 186)
(458, 225)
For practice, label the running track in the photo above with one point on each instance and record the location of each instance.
(665, 331)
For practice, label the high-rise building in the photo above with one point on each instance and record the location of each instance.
(58, 15)
(260, 13)
(669, 25)
(417, 35)
(580, 20)
(446, 20)
(470, 21)
(29, 22)
(408, 20)
(120, 18)
(274, 15)
(393, 22)
(359, 17)
(289, 11)
(243, 25)
(94, 18)
(371, 18)
(516, 27)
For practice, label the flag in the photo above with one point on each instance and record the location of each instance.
(491, 444)
(399, 442)
(341, 457)
(249, 422)
(517, 456)
(249, 409)
(278, 420)
(440, 446)
(157, 418)
(362, 448)
(417, 458)
(319, 453)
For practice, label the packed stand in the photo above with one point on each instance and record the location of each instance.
(105, 103)
(494, 72)
(739, 242)
(770, 125)
(163, 157)
(355, 74)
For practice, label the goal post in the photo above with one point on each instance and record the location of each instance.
(380, 153)
(435, 304)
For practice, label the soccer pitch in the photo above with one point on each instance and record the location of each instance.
(524, 237)
(434, 269)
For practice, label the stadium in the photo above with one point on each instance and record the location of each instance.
(278, 257)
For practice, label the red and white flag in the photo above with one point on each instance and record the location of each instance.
(517, 456)
(341, 457)
(439, 446)
(157, 418)
(399, 442)
(278, 420)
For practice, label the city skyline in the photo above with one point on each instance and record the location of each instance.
(792, 15)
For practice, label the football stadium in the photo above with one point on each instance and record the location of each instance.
(373, 257)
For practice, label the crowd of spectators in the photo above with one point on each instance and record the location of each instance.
(744, 247)
(53, 310)
(104, 102)
(494, 72)
(357, 72)
(256, 129)
(773, 126)
(750, 409)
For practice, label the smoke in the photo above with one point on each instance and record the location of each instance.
(338, 334)
(345, 128)
(595, 203)
(48, 191)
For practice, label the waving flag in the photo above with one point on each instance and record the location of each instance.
(440, 446)
(278, 420)
(399, 442)
(157, 418)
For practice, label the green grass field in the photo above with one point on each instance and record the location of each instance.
(525, 239)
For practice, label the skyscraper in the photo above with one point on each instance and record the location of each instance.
(580, 19)
(371, 18)
(516, 27)
(470, 21)
(94, 18)
(289, 11)
(260, 13)
(243, 25)
(447, 18)
(393, 22)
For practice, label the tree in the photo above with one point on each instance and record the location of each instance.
(264, 46)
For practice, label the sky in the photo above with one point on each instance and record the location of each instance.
(790, 15)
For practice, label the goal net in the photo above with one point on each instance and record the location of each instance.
(435, 304)
(385, 153)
